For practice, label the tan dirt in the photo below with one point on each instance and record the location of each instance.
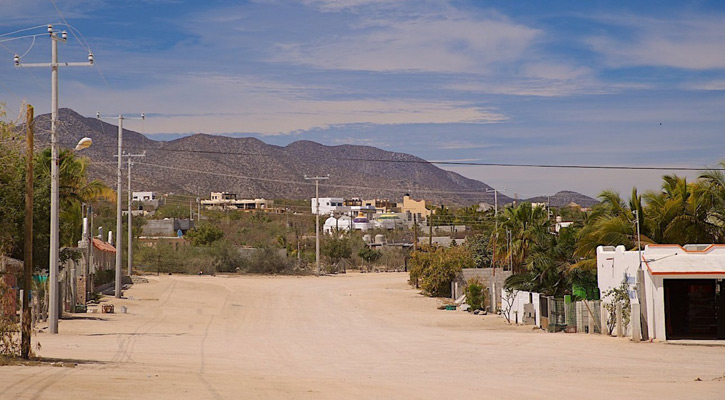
(360, 336)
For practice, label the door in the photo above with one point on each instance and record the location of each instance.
(691, 308)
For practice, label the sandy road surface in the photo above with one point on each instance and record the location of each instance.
(352, 336)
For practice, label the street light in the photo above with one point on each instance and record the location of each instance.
(84, 143)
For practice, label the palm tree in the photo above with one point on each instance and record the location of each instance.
(612, 222)
(525, 224)
(74, 189)
(682, 212)
(713, 188)
(548, 265)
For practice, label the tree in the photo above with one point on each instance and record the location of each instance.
(74, 189)
(524, 224)
(436, 267)
(479, 247)
(369, 254)
(548, 266)
(337, 249)
(204, 235)
(713, 187)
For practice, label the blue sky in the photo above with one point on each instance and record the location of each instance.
(557, 82)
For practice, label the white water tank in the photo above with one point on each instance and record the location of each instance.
(366, 238)
(379, 239)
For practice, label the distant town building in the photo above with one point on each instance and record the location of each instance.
(560, 224)
(227, 200)
(148, 201)
(414, 208)
(329, 206)
(143, 196)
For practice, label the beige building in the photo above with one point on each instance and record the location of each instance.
(415, 208)
(226, 200)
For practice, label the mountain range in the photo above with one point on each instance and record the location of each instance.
(201, 163)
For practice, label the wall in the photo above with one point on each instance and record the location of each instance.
(486, 277)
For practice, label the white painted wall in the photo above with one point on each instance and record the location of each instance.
(329, 205)
(614, 265)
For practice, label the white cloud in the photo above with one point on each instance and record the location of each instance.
(696, 43)
(246, 104)
(338, 5)
(438, 41)
(708, 85)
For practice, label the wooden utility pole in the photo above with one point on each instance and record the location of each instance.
(28, 248)
(415, 232)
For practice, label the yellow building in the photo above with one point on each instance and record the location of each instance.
(415, 208)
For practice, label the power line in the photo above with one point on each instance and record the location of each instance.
(480, 164)
(298, 183)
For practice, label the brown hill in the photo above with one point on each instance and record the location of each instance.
(202, 163)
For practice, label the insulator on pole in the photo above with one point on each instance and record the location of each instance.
(17, 60)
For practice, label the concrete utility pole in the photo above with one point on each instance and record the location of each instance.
(119, 218)
(119, 221)
(53, 306)
(26, 328)
(130, 216)
(317, 180)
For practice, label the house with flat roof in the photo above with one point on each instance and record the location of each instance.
(230, 201)
(414, 209)
(329, 206)
(684, 287)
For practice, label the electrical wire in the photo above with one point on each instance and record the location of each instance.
(329, 185)
(22, 30)
(563, 166)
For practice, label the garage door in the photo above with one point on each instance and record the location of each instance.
(694, 309)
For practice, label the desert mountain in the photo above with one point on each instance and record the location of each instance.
(201, 163)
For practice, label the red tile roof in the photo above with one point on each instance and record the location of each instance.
(103, 246)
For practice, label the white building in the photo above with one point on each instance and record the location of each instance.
(333, 224)
(227, 200)
(329, 205)
(143, 196)
(147, 199)
(684, 287)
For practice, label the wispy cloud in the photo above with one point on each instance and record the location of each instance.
(444, 40)
(250, 105)
(696, 43)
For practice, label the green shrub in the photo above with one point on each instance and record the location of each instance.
(475, 294)
(436, 267)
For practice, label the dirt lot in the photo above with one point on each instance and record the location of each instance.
(349, 336)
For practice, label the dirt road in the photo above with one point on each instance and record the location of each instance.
(350, 336)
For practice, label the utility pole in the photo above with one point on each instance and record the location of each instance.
(119, 222)
(317, 180)
(130, 216)
(415, 232)
(53, 312)
(119, 219)
(28, 249)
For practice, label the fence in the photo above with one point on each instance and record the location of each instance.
(551, 314)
